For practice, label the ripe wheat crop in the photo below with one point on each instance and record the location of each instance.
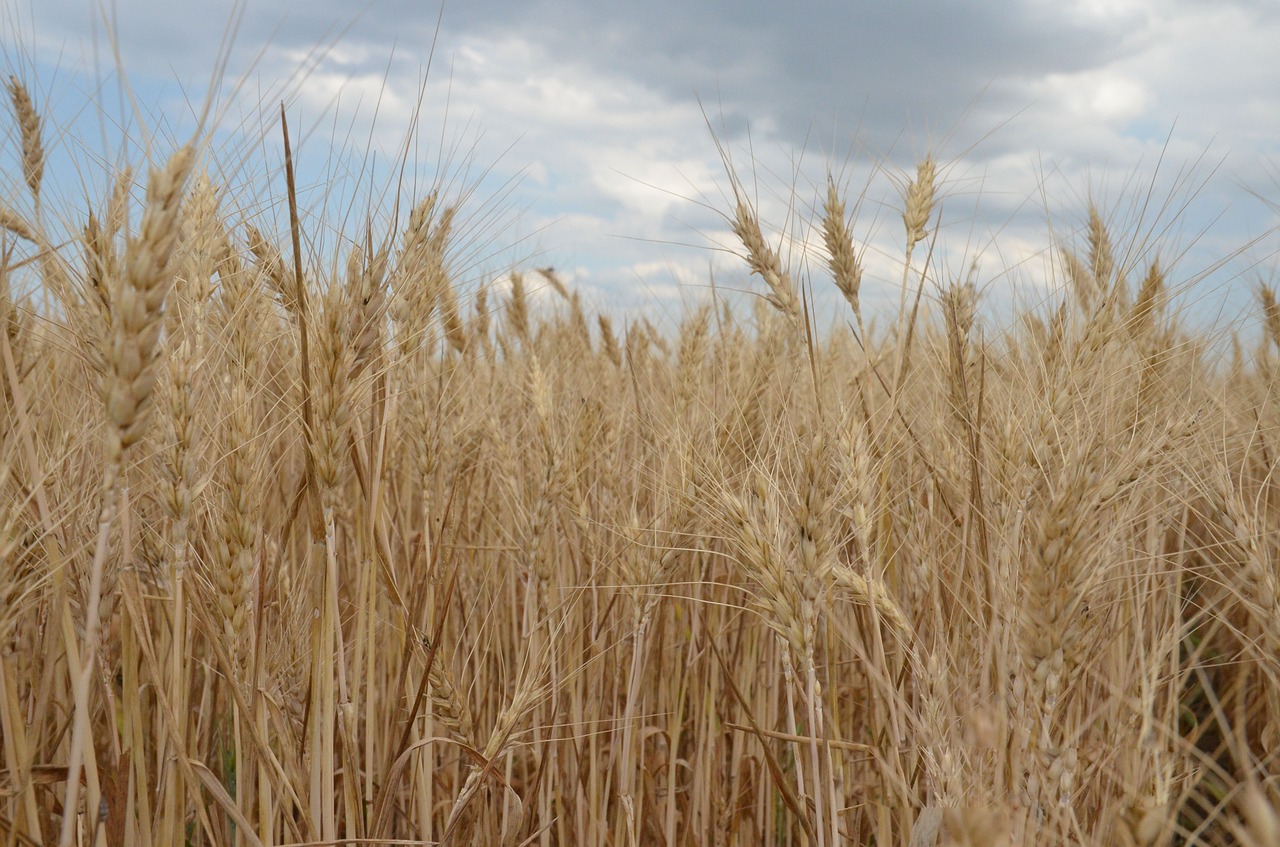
(302, 549)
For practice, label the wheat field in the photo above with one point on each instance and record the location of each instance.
(303, 549)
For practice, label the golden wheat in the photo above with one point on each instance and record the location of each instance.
(407, 559)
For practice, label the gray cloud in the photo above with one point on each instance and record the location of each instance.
(882, 65)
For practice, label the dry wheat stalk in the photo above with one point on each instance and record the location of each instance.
(646, 572)
(1261, 820)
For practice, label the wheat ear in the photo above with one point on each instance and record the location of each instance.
(920, 202)
(846, 270)
(29, 127)
(1270, 312)
(763, 260)
(137, 318)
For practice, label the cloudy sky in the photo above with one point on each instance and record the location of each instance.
(587, 131)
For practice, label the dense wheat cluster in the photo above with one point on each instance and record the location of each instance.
(329, 549)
